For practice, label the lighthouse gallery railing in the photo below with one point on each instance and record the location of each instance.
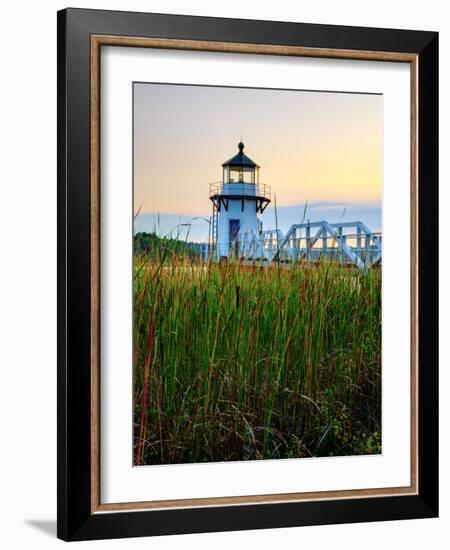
(232, 189)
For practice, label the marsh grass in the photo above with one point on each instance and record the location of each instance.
(240, 362)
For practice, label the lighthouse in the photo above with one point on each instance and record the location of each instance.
(238, 201)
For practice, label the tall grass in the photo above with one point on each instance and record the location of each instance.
(235, 362)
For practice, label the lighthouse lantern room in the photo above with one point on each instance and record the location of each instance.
(238, 200)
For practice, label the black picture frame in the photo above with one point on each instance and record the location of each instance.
(75, 518)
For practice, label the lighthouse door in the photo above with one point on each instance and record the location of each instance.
(234, 231)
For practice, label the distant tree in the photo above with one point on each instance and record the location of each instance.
(150, 244)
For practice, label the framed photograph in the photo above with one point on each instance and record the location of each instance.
(247, 255)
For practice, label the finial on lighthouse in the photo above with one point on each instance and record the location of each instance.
(241, 147)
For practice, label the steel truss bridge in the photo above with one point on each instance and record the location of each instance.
(348, 243)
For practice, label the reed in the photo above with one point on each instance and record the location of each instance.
(240, 362)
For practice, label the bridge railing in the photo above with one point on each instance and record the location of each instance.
(347, 243)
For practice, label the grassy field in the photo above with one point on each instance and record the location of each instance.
(237, 362)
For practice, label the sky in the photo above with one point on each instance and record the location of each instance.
(322, 149)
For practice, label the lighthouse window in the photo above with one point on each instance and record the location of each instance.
(240, 175)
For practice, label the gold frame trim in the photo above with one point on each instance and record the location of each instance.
(97, 41)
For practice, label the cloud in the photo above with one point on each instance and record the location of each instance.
(193, 227)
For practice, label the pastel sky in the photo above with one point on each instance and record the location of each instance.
(319, 148)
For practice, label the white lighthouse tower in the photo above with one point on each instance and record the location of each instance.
(237, 201)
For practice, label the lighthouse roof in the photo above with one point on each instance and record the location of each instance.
(240, 160)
